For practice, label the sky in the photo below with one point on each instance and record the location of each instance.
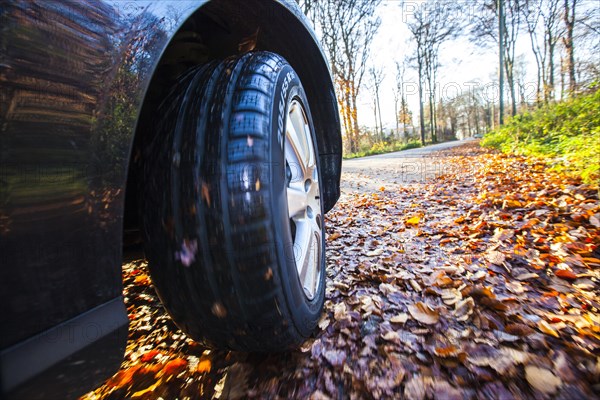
(463, 64)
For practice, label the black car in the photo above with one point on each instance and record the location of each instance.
(208, 129)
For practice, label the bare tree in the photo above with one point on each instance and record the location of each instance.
(377, 75)
(430, 25)
(532, 13)
(569, 21)
(542, 19)
(403, 115)
(347, 28)
(309, 8)
(396, 93)
(418, 28)
(483, 31)
(552, 33)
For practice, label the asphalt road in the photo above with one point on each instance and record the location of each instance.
(392, 170)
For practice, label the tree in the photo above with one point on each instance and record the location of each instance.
(430, 26)
(347, 28)
(569, 21)
(403, 116)
(484, 30)
(377, 77)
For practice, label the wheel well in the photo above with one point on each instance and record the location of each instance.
(219, 29)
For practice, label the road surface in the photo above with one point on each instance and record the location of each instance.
(392, 170)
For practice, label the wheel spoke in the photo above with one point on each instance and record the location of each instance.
(297, 202)
(295, 152)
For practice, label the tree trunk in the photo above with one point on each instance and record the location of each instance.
(421, 113)
(379, 108)
(569, 19)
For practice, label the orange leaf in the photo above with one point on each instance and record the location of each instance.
(174, 366)
(448, 351)
(142, 279)
(460, 219)
(124, 377)
(149, 355)
(334, 236)
(565, 274)
(203, 366)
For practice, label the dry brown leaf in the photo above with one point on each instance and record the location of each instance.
(451, 296)
(501, 361)
(424, 313)
(417, 387)
(386, 288)
(323, 322)
(542, 379)
(334, 236)
(400, 318)
(339, 311)
(547, 328)
(464, 308)
(495, 257)
(375, 253)
(392, 336)
(526, 276)
(336, 358)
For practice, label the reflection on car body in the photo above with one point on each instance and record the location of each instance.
(80, 80)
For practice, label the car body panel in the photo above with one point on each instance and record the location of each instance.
(74, 76)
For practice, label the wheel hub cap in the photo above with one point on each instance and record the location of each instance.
(303, 198)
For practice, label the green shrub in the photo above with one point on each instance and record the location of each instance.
(566, 133)
(383, 147)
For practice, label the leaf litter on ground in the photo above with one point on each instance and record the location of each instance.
(480, 283)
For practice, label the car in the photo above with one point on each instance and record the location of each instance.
(478, 136)
(207, 129)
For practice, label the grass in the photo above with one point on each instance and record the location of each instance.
(383, 147)
(565, 134)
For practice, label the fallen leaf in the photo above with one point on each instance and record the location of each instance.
(495, 257)
(334, 236)
(413, 221)
(323, 323)
(375, 253)
(542, 379)
(392, 336)
(336, 358)
(565, 274)
(547, 328)
(149, 355)
(339, 311)
(464, 308)
(424, 313)
(447, 351)
(174, 367)
(386, 288)
(526, 276)
(400, 318)
(203, 366)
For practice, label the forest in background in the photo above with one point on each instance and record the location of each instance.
(563, 38)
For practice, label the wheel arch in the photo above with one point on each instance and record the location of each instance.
(218, 29)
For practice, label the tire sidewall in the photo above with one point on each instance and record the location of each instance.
(305, 313)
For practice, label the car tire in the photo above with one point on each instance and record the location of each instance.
(231, 206)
